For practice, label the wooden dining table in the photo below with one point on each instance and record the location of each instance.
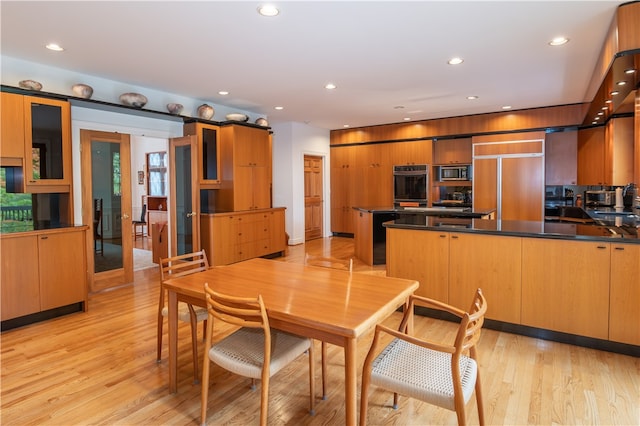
(330, 305)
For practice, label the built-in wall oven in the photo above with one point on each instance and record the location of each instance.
(411, 185)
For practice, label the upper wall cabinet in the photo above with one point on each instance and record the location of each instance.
(36, 137)
(452, 151)
(47, 145)
(561, 167)
(208, 153)
(12, 127)
(246, 169)
(605, 153)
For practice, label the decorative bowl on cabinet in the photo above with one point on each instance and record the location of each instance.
(206, 112)
(30, 84)
(237, 117)
(262, 122)
(82, 90)
(133, 99)
(174, 108)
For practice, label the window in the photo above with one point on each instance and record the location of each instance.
(115, 162)
(157, 169)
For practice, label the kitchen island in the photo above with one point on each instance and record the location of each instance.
(370, 235)
(566, 281)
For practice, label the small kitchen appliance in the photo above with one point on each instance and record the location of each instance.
(599, 198)
(448, 173)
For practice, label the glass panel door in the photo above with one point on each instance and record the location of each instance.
(106, 205)
(185, 199)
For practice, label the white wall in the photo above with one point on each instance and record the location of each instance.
(291, 141)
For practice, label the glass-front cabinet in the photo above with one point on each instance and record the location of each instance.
(47, 145)
(208, 153)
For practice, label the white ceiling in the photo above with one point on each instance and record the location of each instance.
(387, 58)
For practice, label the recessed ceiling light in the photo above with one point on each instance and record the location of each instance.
(558, 41)
(223, 93)
(596, 118)
(407, 119)
(615, 92)
(506, 107)
(455, 61)
(330, 86)
(604, 108)
(629, 71)
(621, 83)
(608, 101)
(601, 113)
(55, 47)
(279, 108)
(268, 10)
(472, 98)
(345, 125)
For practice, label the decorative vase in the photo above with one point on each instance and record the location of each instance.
(205, 112)
(30, 84)
(174, 108)
(82, 90)
(133, 99)
(262, 122)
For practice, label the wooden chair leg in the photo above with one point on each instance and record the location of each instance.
(324, 370)
(159, 338)
(364, 396)
(204, 397)
(479, 400)
(264, 400)
(194, 343)
(312, 379)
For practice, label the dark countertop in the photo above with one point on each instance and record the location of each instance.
(557, 230)
(427, 211)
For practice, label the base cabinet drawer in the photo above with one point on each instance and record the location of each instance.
(624, 303)
(234, 237)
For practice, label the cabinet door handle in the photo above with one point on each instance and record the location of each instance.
(601, 247)
(44, 238)
(444, 236)
(619, 248)
(455, 237)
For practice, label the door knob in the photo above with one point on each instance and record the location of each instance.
(191, 214)
(125, 216)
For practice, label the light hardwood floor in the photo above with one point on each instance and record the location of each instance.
(99, 367)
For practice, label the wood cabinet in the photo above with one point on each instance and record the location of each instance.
(246, 169)
(233, 237)
(20, 276)
(12, 123)
(452, 151)
(584, 288)
(561, 158)
(43, 271)
(605, 153)
(624, 294)
(492, 263)
(415, 152)
(421, 256)
(374, 171)
(156, 211)
(565, 286)
(208, 153)
(47, 145)
(343, 189)
(36, 138)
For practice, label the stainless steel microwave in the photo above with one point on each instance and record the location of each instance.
(455, 173)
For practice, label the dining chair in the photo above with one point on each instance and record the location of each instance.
(254, 350)
(174, 267)
(98, 227)
(334, 263)
(140, 224)
(440, 374)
